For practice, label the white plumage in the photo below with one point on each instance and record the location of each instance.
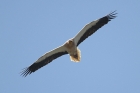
(71, 46)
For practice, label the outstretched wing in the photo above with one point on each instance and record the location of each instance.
(92, 27)
(44, 60)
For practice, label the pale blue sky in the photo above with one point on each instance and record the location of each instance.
(110, 58)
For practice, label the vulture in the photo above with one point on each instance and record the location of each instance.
(71, 46)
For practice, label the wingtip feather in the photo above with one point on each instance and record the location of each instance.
(112, 15)
(25, 72)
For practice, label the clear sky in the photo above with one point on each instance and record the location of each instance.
(110, 57)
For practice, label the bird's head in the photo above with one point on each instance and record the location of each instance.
(70, 43)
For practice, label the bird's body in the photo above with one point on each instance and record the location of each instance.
(73, 51)
(71, 46)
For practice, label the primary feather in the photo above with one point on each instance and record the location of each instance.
(92, 27)
(70, 47)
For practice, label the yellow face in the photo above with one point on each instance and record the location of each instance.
(69, 44)
(70, 41)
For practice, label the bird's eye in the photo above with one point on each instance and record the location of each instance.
(70, 41)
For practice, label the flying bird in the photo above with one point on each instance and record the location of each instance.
(71, 46)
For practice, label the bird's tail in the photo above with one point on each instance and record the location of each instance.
(77, 57)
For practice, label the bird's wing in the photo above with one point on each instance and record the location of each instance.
(92, 27)
(44, 60)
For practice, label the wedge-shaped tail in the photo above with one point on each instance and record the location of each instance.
(77, 57)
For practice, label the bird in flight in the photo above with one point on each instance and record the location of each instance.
(71, 46)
